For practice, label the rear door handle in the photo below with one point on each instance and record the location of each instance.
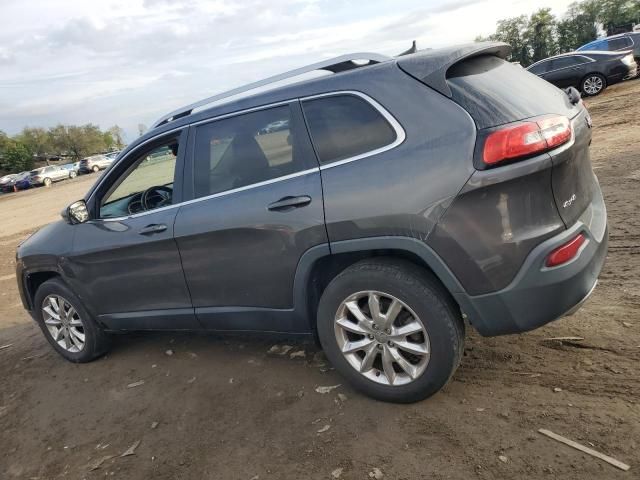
(153, 228)
(289, 203)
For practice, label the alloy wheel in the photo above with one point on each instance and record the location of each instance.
(382, 338)
(593, 85)
(63, 323)
(47, 182)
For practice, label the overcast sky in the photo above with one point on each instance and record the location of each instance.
(130, 61)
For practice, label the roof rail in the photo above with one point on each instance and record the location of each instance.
(334, 65)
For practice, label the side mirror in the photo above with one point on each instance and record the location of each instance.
(75, 213)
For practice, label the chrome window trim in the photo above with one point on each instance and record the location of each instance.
(399, 130)
(549, 60)
(214, 195)
(104, 175)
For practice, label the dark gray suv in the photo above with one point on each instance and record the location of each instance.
(396, 199)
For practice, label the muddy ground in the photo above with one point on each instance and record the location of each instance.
(226, 409)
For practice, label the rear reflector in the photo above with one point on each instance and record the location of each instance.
(566, 252)
(524, 139)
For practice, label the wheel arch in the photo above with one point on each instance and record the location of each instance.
(33, 280)
(320, 265)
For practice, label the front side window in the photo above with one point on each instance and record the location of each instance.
(564, 62)
(344, 126)
(539, 68)
(247, 149)
(146, 185)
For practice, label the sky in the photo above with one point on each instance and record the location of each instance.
(128, 62)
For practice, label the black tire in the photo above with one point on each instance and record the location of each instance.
(47, 182)
(95, 169)
(592, 77)
(72, 174)
(97, 342)
(423, 294)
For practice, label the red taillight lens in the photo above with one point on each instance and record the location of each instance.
(566, 252)
(526, 138)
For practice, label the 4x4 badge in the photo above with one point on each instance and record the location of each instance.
(569, 202)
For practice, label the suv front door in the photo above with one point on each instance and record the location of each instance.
(125, 259)
(257, 209)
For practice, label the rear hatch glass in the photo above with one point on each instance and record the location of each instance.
(496, 92)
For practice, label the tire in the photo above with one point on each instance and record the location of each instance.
(46, 182)
(72, 174)
(593, 84)
(423, 297)
(96, 341)
(95, 169)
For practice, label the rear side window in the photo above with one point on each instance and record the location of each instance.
(564, 62)
(247, 149)
(344, 126)
(495, 92)
(619, 43)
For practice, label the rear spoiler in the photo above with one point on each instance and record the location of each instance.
(431, 66)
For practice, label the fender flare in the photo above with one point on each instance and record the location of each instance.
(396, 243)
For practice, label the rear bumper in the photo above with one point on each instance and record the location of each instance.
(539, 295)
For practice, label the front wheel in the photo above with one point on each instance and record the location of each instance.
(95, 169)
(66, 324)
(593, 84)
(391, 329)
(72, 174)
(47, 182)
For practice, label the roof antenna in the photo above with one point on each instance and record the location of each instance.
(413, 49)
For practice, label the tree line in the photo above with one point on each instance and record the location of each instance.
(20, 152)
(541, 34)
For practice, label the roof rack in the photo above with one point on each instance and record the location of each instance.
(334, 65)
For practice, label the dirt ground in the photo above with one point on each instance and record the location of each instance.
(224, 408)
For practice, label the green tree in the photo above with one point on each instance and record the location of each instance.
(36, 139)
(577, 27)
(540, 34)
(16, 157)
(78, 141)
(117, 135)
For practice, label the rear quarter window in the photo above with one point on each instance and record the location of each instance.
(344, 126)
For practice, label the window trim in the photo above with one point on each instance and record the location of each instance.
(93, 201)
(550, 60)
(397, 127)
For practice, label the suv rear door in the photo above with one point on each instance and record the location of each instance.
(256, 209)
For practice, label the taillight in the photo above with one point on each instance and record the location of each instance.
(565, 252)
(524, 139)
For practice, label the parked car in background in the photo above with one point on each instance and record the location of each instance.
(18, 181)
(622, 41)
(72, 168)
(406, 197)
(5, 181)
(47, 175)
(95, 163)
(590, 72)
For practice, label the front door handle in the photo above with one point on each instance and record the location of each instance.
(289, 203)
(153, 228)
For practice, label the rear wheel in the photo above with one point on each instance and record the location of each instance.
(95, 169)
(593, 84)
(391, 329)
(66, 324)
(47, 182)
(72, 174)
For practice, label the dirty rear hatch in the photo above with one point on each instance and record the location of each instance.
(496, 92)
